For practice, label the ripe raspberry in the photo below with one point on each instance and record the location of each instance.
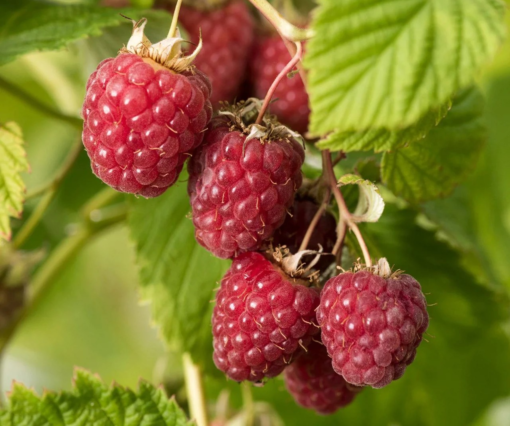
(142, 120)
(261, 319)
(228, 37)
(314, 384)
(372, 325)
(293, 230)
(240, 189)
(269, 57)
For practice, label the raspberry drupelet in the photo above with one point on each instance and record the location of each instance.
(262, 319)
(372, 324)
(144, 117)
(314, 384)
(240, 188)
(228, 33)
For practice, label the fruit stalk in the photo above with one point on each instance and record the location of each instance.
(283, 73)
(195, 391)
(315, 220)
(175, 19)
(286, 29)
(345, 216)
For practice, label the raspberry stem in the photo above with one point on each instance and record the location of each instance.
(59, 258)
(195, 391)
(345, 215)
(49, 190)
(315, 220)
(175, 19)
(283, 73)
(285, 28)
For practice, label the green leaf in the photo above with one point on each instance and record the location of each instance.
(31, 25)
(385, 63)
(92, 403)
(177, 275)
(370, 203)
(12, 188)
(432, 167)
(383, 139)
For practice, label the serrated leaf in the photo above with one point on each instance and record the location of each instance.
(31, 25)
(13, 161)
(380, 140)
(370, 203)
(385, 63)
(177, 275)
(92, 403)
(432, 167)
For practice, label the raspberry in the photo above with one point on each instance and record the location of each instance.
(261, 320)
(240, 189)
(293, 230)
(372, 325)
(228, 37)
(142, 120)
(291, 107)
(314, 384)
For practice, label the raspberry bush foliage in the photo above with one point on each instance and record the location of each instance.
(309, 196)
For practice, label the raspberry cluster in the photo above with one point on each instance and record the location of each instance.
(149, 110)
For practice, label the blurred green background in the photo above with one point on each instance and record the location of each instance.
(91, 316)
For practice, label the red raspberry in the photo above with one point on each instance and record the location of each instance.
(293, 230)
(261, 319)
(269, 57)
(240, 190)
(372, 325)
(141, 122)
(314, 384)
(227, 38)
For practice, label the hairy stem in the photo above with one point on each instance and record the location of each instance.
(40, 106)
(49, 190)
(345, 214)
(55, 263)
(283, 74)
(195, 391)
(286, 29)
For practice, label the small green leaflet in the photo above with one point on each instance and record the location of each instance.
(12, 188)
(177, 276)
(31, 25)
(383, 139)
(432, 167)
(92, 403)
(385, 63)
(370, 203)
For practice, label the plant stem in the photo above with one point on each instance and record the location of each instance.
(315, 221)
(283, 73)
(40, 106)
(57, 260)
(50, 190)
(66, 166)
(195, 391)
(248, 407)
(101, 199)
(345, 214)
(175, 19)
(286, 29)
